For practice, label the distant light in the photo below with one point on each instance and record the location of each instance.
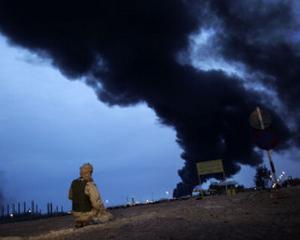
(167, 192)
(106, 201)
(11, 215)
(29, 210)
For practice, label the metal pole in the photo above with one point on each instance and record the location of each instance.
(272, 166)
(201, 194)
(2, 211)
(24, 207)
(19, 208)
(199, 179)
(13, 208)
(224, 177)
(32, 207)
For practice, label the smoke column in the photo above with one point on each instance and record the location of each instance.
(140, 51)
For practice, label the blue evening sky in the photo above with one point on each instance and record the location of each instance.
(50, 125)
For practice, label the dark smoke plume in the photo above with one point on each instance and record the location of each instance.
(128, 52)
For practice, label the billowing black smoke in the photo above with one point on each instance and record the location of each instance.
(128, 52)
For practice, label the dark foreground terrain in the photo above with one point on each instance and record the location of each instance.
(250, 215)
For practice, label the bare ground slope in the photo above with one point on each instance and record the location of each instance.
(252, 215)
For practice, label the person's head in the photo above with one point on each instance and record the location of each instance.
(86, 171)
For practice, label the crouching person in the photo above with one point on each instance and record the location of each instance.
(87, 206)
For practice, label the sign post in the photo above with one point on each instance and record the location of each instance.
(210, 167)
(261, 120)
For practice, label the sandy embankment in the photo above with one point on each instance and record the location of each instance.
(255, 215)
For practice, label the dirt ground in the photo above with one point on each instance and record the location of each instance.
(250, 215)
